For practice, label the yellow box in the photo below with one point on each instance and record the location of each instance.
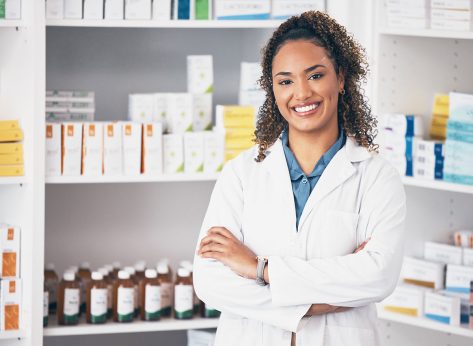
(14, 135)
(438, 132)
(240, 132)
(10, 302)
(11, 170)
(239, 143)
(235, 117)
(11, 159)
(441, 104)
(9, 124)
(11, 148)
(439, 122)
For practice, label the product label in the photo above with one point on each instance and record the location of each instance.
(125, 301)
(166, 294)
(152, 302)
(183, 301)
(45, 308)
(71, 305)
(98, 305)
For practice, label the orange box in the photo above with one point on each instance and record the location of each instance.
(10, 251)
(10, 303)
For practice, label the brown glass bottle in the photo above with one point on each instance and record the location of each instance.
(116, 268)
(84, 275)
(96, 293)
(123, 295)
(150, 296)
(45, 306)
(165, 281)
(51, 281)
(109, 281)
(189, 266)
(140, 268)
(136, 281)
(183, 295)
(68, 300)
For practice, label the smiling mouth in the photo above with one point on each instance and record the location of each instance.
(307, 108)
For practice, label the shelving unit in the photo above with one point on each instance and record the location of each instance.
(133, 327)
(6, 23)
(437, 185)
(184, 177)
(12, 180)
(175, 24)
(467, 35)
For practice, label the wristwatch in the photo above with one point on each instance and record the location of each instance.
(260, 270)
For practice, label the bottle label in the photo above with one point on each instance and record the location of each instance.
(71, 305)
(45, 303)
(211, 312)
(183, 301)
(152, 302)
(166, 301)
(125, 301)
(98, 305)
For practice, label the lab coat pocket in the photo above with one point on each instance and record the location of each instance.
(238, 331)
(338, 233)
(337, 335)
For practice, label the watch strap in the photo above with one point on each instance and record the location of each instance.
(260, 270)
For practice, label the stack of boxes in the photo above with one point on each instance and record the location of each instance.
(251, 93)
(242, 9)
(10, 9)
(10, 283)
(450, 15)
(428, 159)
(11, 149)
(238, 125)
(397, 134)
(283, 9)
(70, 105)
(438, 127)
(408, 14)
(459, 145)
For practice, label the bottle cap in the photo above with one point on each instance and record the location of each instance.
(73, 269)
(69, 276)
(130, 270)
(85, 265)
(140, 266)
(50, 266)
(151, 274)
(163, 268)
(97, 276)
(183, 272)
(103, 271)
(116, 265)
(187, 264)
(123, 275)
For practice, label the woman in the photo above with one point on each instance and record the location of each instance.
(306, 199)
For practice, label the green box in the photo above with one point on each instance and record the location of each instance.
(2, 9)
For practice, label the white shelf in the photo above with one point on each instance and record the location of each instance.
(178, 177)
(9, 23)
(167, 324)
(12, 334)
(422, 322)
(12, 180)
(165, 24)
(466, 35)
(438, 185)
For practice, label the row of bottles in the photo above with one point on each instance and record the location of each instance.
(122, 295)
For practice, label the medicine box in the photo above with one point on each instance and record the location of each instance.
(250, 73)
(138, 9)
(141, 107)
(443, 253)
(447, 24)
(162, 10)
(132, 139)
(114, 9)
(10, 304)
(71, 149)
(407, 12)
(93, 9)
(179, 112)
(462, 15)
(242, 9)
(407, 300)
(459, 278)
(160, 110)
(173, 153)
(402, 124)
(54, 9)
(10, 250)
(53, 149)
(152, 149)
(464, 304)
(92, 149)
(194, 152)
(214, 151)
(408, 3)
(73, 9)
(282, 9)
(202, 114)
(467, 257)
(429, 147)
(442, 308)
(234, 117)
(451, 4)
(408, 23)
(423, 273)
(112, 149)
(12, 9)
(200, 76)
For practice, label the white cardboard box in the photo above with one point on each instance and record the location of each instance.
(202, 115)
(54, 9)
(173, 153)
(447, 24)
(12, 9)
(138, 9)
(132, 133)
(200, 77)
(112, 149)
(10, 303)
(407, 300)
(73, 9)
(152, 149)
(242, 9)
(214, 151)
(10, 251)
(442, 253)
(442, 308)
(423, 273)
(160, 110)
(282, 9)
(114, 9)
(194, 152)
(71, 148)
(179, 112)
(92, 149)
(451, 4)
(93, 9)
(250, 73)
(458, 278)
(141, 107)
(53, 149)
(162, 10)
(467, 257)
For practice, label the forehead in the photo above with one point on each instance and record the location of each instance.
(299, 55)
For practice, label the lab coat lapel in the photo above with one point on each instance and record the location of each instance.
(336, 173)
(278, 173)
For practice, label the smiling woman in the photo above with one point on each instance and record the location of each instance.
(304, 232)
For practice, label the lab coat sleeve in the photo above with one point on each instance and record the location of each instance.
(356, 279)
(220, 287)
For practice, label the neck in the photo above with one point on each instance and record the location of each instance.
(308, 147)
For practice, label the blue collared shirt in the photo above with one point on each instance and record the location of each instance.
(303, 185)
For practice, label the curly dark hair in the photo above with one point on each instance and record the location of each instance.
(347, 56)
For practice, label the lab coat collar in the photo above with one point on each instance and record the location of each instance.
(339, 170)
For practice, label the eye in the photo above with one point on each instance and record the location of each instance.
(316, 76)
(284, 82)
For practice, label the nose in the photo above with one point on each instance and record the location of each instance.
(302, 90)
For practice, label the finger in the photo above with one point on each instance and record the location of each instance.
(214, 238)
(213, 255)
(213, 247)
(222, 231)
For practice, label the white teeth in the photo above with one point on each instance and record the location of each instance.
(306, 108)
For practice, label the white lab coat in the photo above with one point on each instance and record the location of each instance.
(358, 196)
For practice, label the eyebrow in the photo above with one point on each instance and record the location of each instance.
(309, 69)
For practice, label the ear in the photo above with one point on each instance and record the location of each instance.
(341, 79)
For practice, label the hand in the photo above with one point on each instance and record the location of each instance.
(321, 309)
(221, 245)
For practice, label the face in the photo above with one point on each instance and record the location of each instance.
(306, 87)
